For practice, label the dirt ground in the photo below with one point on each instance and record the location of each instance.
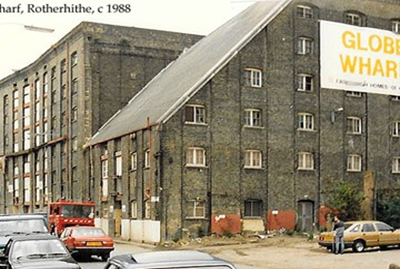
(286, 252)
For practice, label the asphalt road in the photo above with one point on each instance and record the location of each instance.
(305, 255)
(123, 248)
(96, 263)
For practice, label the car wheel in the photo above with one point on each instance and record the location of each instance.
(105, 257)
(359, 246)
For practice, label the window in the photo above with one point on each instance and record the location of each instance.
(104, 177)
(37, 135)
(74, 58)
(304, 45)
(37, 112)
(45, 131)
(305, 122)
(353, 94)
(26, 116)
(396, 26)
(368, 227)
(134, 160)
(27, 179)
(38, 188)
(304, 12)
(306, 161)
(147, 159)
(27, 139)
(353, 125)
(196, 209)
(27, 189)
(383, 227)
(353, 19)
(45, 176)
(253, 77)
(16, 180)
(253, 208)
(396, 165)
(74, 114)
(354, 163)
(195, 114)
(27, 94)
(5, 109)
(104, 168)
(74, 143)
(15, 121)
(252, 118)
(118, 163)
(63, 72)
(395, 98)
(45, 84)
(74, 86)
(38, 90)
(27, 164)
(355, 229)
(253, 159)
(134, 209)
(15, 142)
(15, 99)
(396, 129)
(6, 143)
(195, 157)
(305, 83)
(46, 188)
(147, 209)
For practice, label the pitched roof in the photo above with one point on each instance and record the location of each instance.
(179, 81)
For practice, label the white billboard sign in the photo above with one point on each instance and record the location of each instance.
(359, 59)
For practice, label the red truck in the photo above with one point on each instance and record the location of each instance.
(64, 213)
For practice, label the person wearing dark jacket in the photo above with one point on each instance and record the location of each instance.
(338, 230)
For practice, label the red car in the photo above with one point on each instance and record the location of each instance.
(86, 241)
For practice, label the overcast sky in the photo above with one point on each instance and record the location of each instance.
(19, 47)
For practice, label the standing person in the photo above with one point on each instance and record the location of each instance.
(338, 229)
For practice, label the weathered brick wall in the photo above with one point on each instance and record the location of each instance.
(280, 185)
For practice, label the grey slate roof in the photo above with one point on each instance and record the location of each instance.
(177, 83)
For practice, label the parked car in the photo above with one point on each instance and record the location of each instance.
(13, 224)
(168, 259)
(359, 235)
(87, 241)
(36, 251)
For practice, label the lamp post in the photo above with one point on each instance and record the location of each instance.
(38, 29)
(30, 27)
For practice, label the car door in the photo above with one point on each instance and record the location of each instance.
(370, 234)
(386, 235)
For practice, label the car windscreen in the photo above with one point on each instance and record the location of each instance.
(347, 225)
(77, 211)
(38, 249)
(88, 232)
(23, 226)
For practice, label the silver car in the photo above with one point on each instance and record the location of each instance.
(168, 259)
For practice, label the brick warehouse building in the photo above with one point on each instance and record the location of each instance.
(244, 135)
(53, 106)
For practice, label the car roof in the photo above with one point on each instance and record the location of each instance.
(29, 236)
(363, 221)
(21, 216)
(168, 258)
(83, 227)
